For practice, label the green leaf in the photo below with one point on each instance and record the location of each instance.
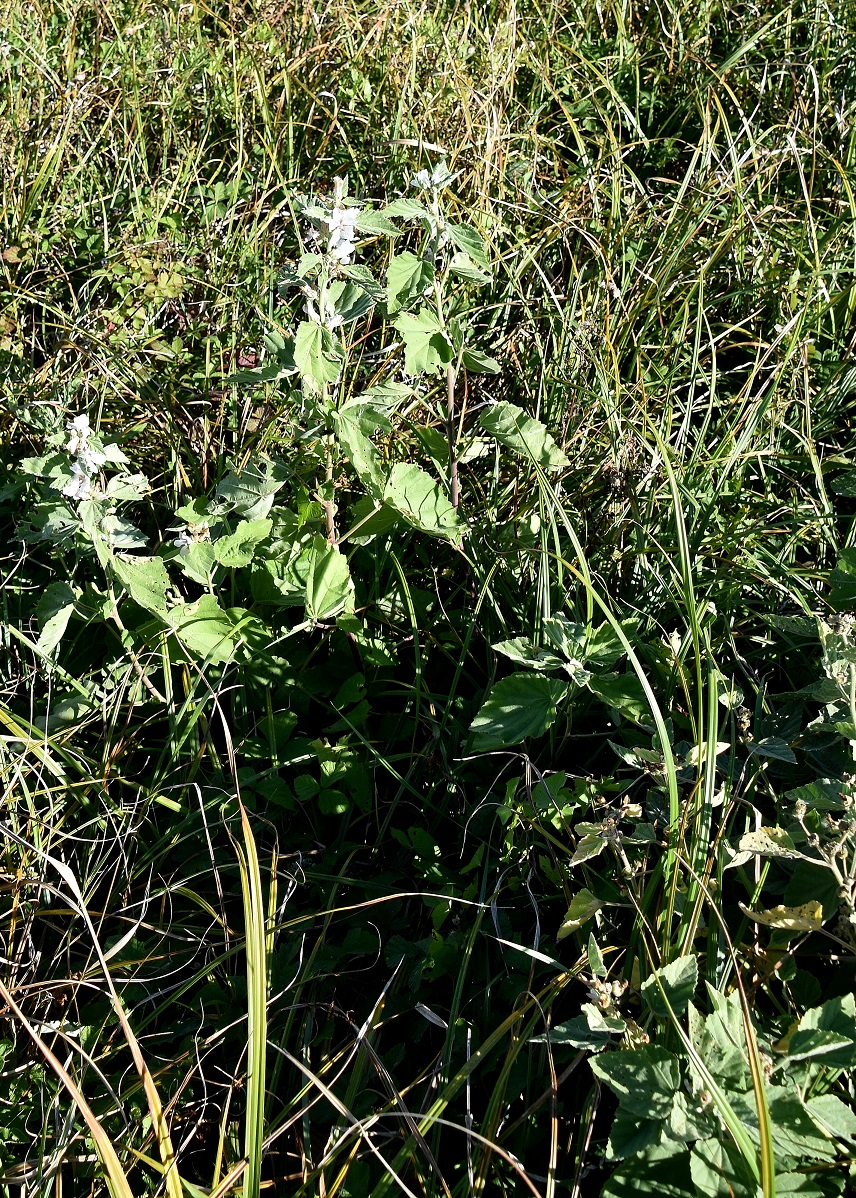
(774, 747)
(407, 278)
(838, 1015)
(328, 586)
(815, 1043)
(145, 579)
(795, 1133)
(518, 707)
(205, 629)
(718, 1170)
(842, 582)
(421, 502)
(524, 653)
(427, 349)
(645, 1080)
(349, 300)
(463, 267)
(199, 562)
(376, 222)
(624, 692)
(845, 485)
(54, 611)
(409, 209)
(590, 845)
(237, 549)
(678, 979)
(354, 424)
(468, 239)
(835, 1116)
(317, 354)
(584, 905)
(513, 428)
(478, 363)
(250, 493)
(664, 1178)
(365, 279)
(592, 1029)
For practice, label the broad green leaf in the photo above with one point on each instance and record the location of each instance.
(427, 349)
(407, 279)
(354, 424)
(54, 611)
(409, 209)
(824, 794)
(145, 579)
(365, 279)
(845, 485)
(842, 582)
(678, 979)
(592, 1029)
(665, 1176)
(236, 549)
(836, 1015)
(718, 1170)
(250, 493)
(421, 502)
(199, 562)
(590, 845)
(795, 1133)
(478, 363)
(469, 240)
(595, 958)
(517, 708)
(773, 747)
(349, 300)
(385, 395)
(810, 1185)
(522, 651)
(584, 905)
(328, 586)
(624, 692)
(317, 354)
(523, 434)
(463, 267)
(376, 222)
(814, 1043)
(835, 1116)
(205, 629)
(644, 1080)
(565, 636)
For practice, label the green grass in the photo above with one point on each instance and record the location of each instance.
(278, 915)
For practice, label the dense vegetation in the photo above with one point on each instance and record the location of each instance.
(428, 670)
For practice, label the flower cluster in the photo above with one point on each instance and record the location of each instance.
(336, 226)
(191, 535)
(88, 460)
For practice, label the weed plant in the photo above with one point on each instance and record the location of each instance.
(428, 652)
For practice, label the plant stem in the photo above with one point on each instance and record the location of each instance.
(450, 433)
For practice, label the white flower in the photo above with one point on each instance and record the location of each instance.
(183, 542)
(421, 179)
(80, 486)
(342, 223)
(79, 430)
(91, 460)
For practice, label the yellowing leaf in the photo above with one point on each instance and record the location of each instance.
(806, 918)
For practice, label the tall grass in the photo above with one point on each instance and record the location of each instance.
(309, 941)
